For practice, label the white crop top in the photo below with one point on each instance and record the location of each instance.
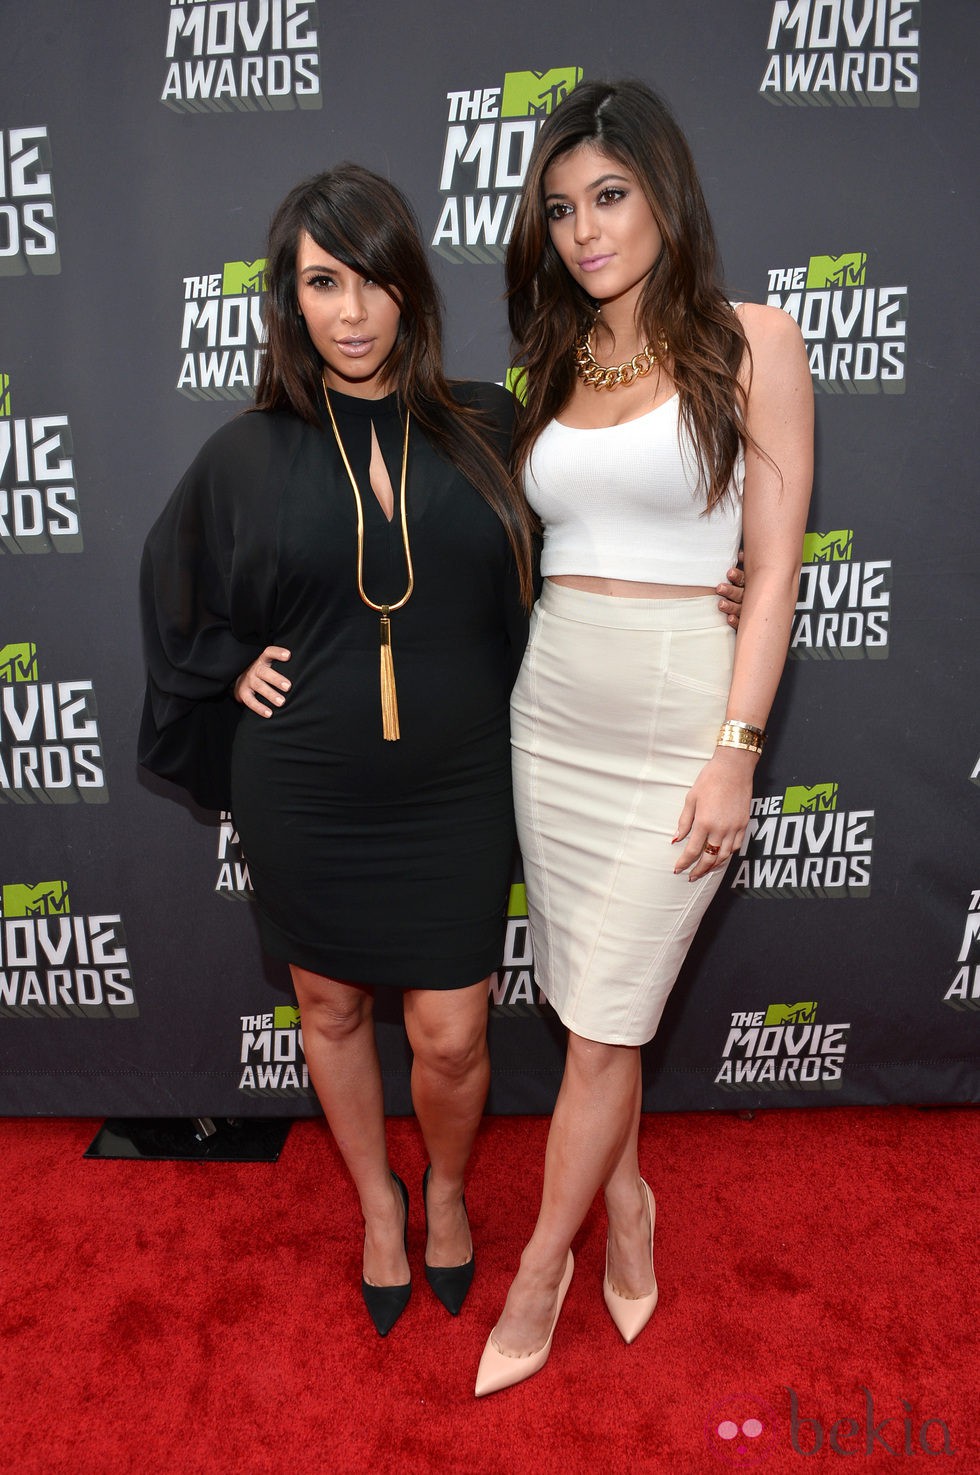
(624, 503)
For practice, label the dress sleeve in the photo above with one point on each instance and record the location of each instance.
(499, 409)
(204, 596)
(516, 620)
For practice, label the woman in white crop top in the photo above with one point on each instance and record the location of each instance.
(661, 421)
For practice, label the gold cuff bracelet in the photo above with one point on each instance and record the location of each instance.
(741, 735)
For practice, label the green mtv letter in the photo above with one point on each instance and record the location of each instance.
(791, 1013)
(284, 1016)
(43, 899)
(4, 395)
(516, 382)
(18, 662)
(528, 93)
(798, 799)
(243, 276)
(847, 270)
(835, 547)
(517, 905)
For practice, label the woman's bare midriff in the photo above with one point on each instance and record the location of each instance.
(627, 589)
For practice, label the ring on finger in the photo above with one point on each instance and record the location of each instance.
(711, 849)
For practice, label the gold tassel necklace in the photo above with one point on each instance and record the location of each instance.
(389, 696)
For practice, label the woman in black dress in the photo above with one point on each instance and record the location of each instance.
(335, 604)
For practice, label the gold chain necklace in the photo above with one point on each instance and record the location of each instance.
(591, 372)
(389, 696)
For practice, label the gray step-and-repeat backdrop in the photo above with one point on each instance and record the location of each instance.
(142, 150)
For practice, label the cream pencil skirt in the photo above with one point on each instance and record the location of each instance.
(616, 709)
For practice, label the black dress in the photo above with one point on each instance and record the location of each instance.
(373, 862)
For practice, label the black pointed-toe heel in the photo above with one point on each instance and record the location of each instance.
(449, 1283)
(385, 1304)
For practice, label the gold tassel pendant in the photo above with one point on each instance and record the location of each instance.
(389, 696)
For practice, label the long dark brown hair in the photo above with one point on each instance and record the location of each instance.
(682, 299)
(366, 222)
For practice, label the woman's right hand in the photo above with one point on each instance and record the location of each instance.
(261, 683)
(732, 591)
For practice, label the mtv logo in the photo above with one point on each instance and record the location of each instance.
(18, 662)
(835, 547)
(791, 1013)
(847, 270)
(517, 904)
(516, 382)
(240, 277)
(528, 94)
(43, 899)
(4, 395)
(285, 1016)
(798, 799)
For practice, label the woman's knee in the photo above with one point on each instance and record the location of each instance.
(451, 1053)
(332, 1010)
(448, 1031)
(594, 1060)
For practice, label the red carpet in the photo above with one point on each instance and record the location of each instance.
(174, 1318)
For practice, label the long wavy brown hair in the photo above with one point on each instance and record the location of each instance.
(367, 223)
(682, 299)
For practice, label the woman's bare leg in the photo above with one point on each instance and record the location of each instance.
(447, 1030)
(630, 1271)
(594, 1124)
(342, 1056)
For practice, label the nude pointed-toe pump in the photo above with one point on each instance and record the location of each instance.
(632, 1314)
(497, 1371)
